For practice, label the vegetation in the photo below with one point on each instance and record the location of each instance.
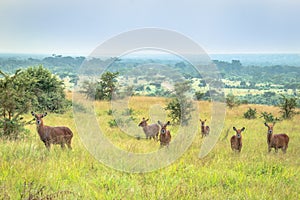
(269, 117)
(103, 89)
(34, 88)
(180, 106)
(250, 113)
(27, 166)
(231, 101)
(14, 103)
(288, 107)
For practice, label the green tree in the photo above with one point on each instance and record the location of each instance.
(180, 107)
(13, 104)
(102, 89)
(107, 84)
(231, 101)
(47, 90)
(250, 113)
(287, 106)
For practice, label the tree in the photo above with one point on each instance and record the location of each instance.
(199, 95)
(13, 104)
(47, 90)
(180, 107)
(107, 85)
(287, 106)
(250, 113)
(102, 89)
(231, 101)
(34, 88)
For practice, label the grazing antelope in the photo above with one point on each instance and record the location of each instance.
(151, 131)
(276, 141)
(204, 129)
(165, 136)
(52, 135)
(236, 140)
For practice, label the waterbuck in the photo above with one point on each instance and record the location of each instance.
(165, 136)
(52, 135)
(236, 140)
(204, 129)
(276, 141)
(151, 131)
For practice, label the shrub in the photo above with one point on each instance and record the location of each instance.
(268, 117)
(250, 114)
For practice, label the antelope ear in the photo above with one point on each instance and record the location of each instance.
(243, 129)
(234, 128)
(266, 124)
(32, 113)
(274, 123)
(45, 114)
(205, 120)
(168, 123)
(159, 122)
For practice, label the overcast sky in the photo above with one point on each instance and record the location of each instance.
(218, 26)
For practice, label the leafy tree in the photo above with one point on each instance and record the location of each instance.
(287, 106)
(199, 95)
(34, 88)
(250, 113)
(180, 107)
(47, 90)
(13, 104)
(231, 101)
(107, 84)
(103, 89)
(269, 117)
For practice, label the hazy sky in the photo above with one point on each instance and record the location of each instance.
(218, 26)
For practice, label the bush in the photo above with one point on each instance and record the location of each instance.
(250, 114)
(287, 106)
(268, 117)
(231, 101)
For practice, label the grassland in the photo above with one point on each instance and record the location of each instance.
(222, 174)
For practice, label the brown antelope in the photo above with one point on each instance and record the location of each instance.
(204, 129)
(52, 135)
(276, 141)
(236, 140)
(165, 136)
(151, 131)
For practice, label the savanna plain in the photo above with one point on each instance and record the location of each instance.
(29, 171)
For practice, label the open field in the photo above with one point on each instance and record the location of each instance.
(222, 174)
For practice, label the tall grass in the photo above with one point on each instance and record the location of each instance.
(27, 167)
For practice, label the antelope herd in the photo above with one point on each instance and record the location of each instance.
(63, 135)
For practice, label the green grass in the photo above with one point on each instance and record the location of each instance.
(222, 174)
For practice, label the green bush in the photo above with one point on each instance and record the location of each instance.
(250, 113)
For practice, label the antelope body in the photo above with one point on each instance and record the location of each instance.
(151, 131)
(52, 135)
(236, 140)
(165, 135)
(204, 129)
(276, 141)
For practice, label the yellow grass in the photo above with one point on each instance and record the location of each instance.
(222, 174)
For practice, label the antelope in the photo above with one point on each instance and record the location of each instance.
(204, 129)
(276, 141)
(52, 135)
(165, 136)
(151, 131)
(236, 140)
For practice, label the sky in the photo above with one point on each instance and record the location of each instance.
(219, 26)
